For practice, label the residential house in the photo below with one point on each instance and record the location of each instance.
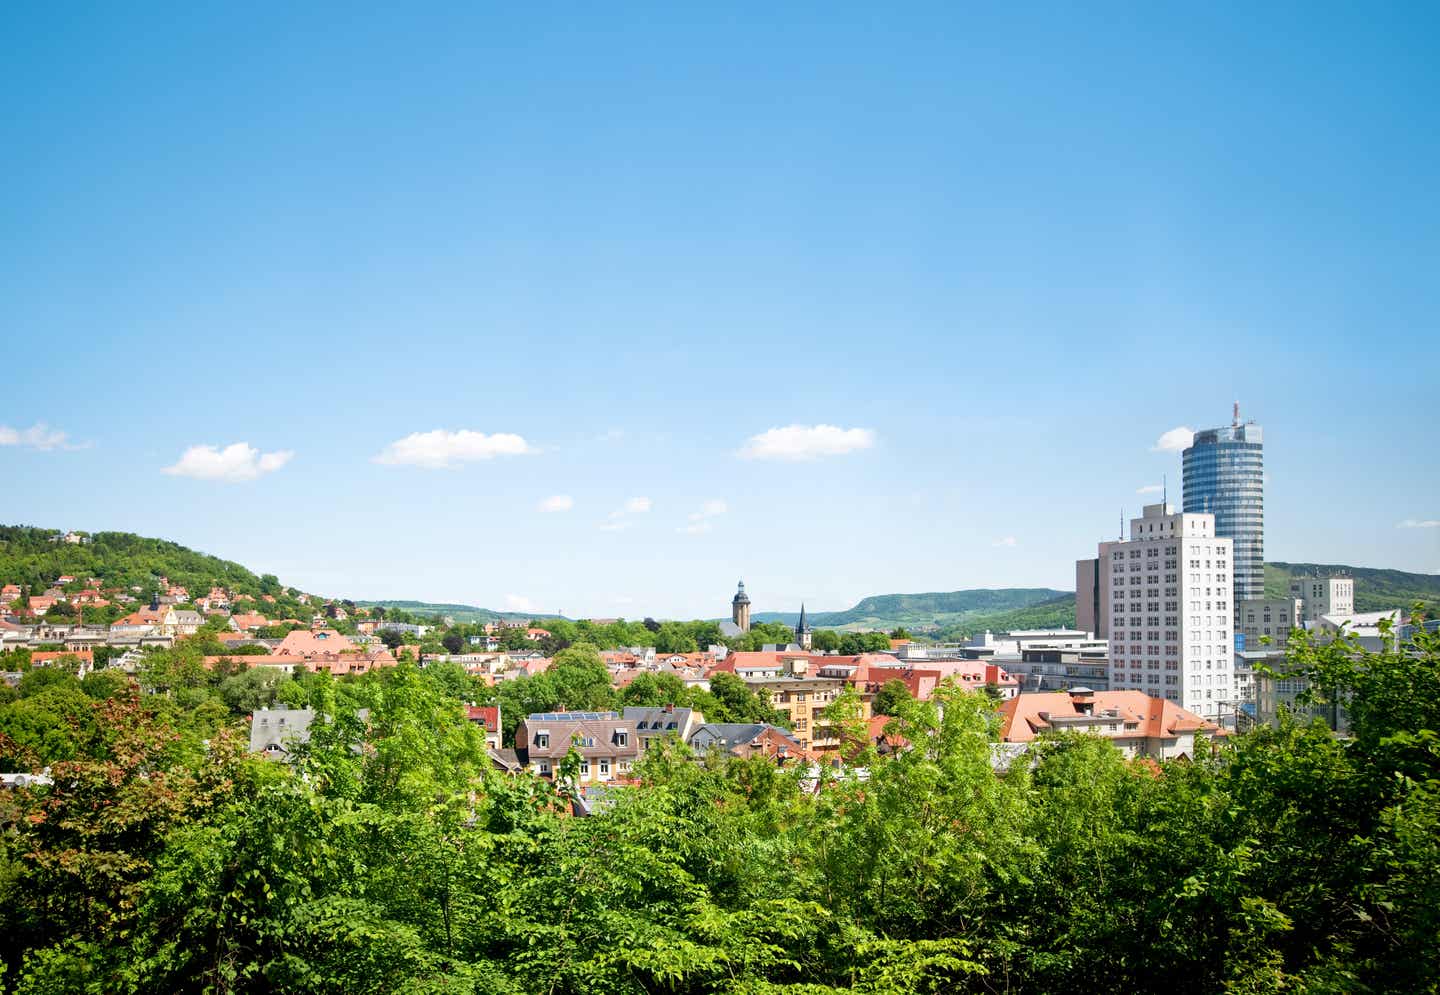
(487, 716)
(218, 597)
(181, 622)
(654, 725)
(748, 739)
(418, 631)
(608, 745)
(1138, 724)
(275, 732)
(801, 685)
(315, 642)
(84, 660)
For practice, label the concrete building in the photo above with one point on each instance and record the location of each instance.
(1087, 597)
(1320, 596)
(1165, 601)
(1265, 623)
(1224, 476)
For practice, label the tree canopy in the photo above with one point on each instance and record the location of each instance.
(391, 856)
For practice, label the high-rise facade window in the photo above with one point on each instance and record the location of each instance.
(1224, 476)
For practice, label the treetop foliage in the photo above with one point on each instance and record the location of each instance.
(391, 855)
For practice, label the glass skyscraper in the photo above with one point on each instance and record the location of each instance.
(1224, 475)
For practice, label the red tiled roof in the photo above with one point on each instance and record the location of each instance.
(1022, 717)
(36, 659)
(489, 715)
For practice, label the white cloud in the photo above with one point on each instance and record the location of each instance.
(1150, 489)
(634, 506)
(559, 502)
(38, 436)
(237, 461)
(700, 520)
(710, 509)
(1174, 440)
(518, 603)
(442, 450)
(1008, 541)
(807, 442)
(1415, 523)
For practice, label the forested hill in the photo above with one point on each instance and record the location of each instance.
(460, 613)
(1375, 589)
(944, 608)
(120, 559)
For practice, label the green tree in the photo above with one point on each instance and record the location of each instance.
(673, 637)
(893, 694)
(581, 680)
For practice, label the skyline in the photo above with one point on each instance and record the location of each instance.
(531, 320)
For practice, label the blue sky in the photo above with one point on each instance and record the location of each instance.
(1000, 251)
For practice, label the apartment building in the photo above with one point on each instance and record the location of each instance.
(607, 744)
(1165, 599)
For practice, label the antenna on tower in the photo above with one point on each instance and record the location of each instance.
(1165, 489)
(1236, 420)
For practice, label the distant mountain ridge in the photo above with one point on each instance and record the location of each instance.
(460, 613)
(887, 611)
(28, 556)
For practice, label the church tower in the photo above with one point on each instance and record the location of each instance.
(804, 632)
(740, 609)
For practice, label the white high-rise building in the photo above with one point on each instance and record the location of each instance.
(1164, 600)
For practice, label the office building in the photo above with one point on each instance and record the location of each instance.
(1224, 476)
(1164, 597)
(1321, 596)
(1265, 623)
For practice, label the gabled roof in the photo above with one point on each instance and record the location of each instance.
(306, 642)
(661, 719)
(1025, 716)
(487, 715)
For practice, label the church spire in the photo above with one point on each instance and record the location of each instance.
(740, 609)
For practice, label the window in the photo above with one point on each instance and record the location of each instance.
(605, 767)
(622, 737)
(542, 741)
(544, 767)
(584, 768)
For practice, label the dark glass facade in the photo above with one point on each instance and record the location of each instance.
(1224, 475)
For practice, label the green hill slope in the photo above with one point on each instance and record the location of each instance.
(460, 613)
(935, 608)
(120, 559)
